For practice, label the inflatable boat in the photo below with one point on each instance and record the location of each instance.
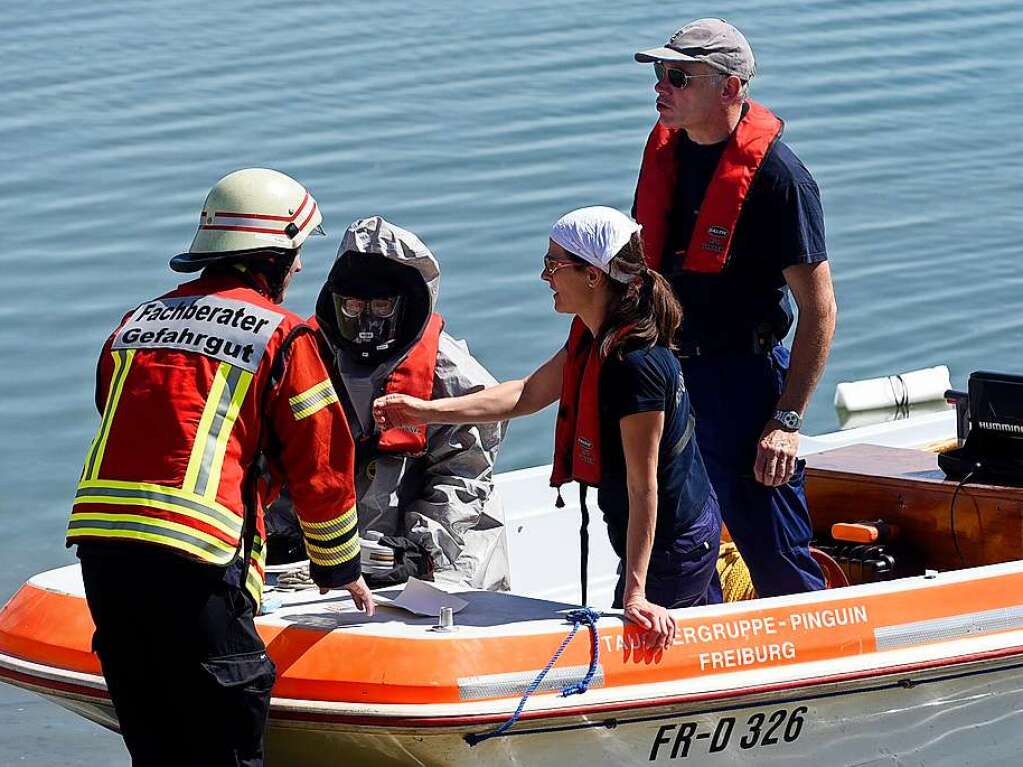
(918, 662)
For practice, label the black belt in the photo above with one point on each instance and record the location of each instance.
(755, 343)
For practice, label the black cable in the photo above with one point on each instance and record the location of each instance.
(952, 512)
(901, 395)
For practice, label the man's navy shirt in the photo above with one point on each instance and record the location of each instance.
(646, 380)
(781, 224)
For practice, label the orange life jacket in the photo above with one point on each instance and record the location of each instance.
(192, 387)
(711, 239)
(413, 376)
(577, 432)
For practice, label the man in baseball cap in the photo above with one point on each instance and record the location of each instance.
(733, 219)
(713, 42)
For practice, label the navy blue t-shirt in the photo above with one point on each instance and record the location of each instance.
(781, 224)
(648, 380)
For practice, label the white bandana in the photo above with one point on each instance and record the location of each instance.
(596, 234)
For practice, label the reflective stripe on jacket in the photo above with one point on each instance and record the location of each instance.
(193, 387)
(711, 240)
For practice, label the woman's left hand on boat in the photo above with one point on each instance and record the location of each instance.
(659, 625)
(776, 456)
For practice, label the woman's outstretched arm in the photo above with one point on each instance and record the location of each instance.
(510, 399)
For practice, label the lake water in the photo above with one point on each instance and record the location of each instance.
(475, 125)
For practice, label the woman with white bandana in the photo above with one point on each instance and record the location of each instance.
(624, 424)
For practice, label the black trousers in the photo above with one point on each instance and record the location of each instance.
(188, 674)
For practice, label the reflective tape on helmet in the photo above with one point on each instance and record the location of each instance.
(260, 223)
(313, 400)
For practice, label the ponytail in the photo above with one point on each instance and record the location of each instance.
(644, 310)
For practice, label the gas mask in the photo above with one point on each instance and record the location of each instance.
(370, 324)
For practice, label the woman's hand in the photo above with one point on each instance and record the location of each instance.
(659, 625)
(393, 410)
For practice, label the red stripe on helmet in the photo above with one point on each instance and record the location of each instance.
(243, 229)
(301, 207)
(263, 216)
(312, 211)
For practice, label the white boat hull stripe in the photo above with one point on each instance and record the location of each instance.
(515, 683)
(944, 629)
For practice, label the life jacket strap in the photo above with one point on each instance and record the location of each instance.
(584, 541)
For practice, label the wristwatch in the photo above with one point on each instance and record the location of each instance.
(790, 420)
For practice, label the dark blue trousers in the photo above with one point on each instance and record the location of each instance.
(733, 397)
(684, 573)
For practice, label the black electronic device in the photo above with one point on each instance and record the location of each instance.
(863, 563)
(992, 447)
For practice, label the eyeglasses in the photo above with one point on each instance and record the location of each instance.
(676, 77)
(378, 307)
(551, 265)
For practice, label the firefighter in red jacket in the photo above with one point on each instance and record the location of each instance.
(203, 391)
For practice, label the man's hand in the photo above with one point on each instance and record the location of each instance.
(361, 595)
(393, 410)
(659, 625)
(776, 455)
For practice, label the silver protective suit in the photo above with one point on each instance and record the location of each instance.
(443, 500)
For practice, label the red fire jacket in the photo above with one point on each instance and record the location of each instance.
(193, 387)
(712, 235)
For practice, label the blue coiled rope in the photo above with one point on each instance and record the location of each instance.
(582, 617)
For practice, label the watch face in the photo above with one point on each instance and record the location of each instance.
(789, 419)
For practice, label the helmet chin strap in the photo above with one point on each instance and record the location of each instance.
(277, 276)
(268, 275)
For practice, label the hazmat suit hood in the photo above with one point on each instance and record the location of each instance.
(375, 254)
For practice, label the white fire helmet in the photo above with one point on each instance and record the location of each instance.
(251, 210)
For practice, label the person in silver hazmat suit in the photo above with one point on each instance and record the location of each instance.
(426, 501)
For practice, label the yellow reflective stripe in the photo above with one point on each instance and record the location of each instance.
(140, 536)
(122, 363)
(126, 525)
(337, 528)
(160, 497)
(253, 580)
(220, 450)
(336, 555)
(313, 400)
(322, 386)
(254, 585)
(205, 422)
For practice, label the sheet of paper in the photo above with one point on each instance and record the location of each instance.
(420, 598)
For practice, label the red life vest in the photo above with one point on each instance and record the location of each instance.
(577, 432)
(711, 240)
(413, 376)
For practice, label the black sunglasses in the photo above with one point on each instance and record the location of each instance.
(676, 77)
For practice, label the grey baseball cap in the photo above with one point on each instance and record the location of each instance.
(713, 42)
